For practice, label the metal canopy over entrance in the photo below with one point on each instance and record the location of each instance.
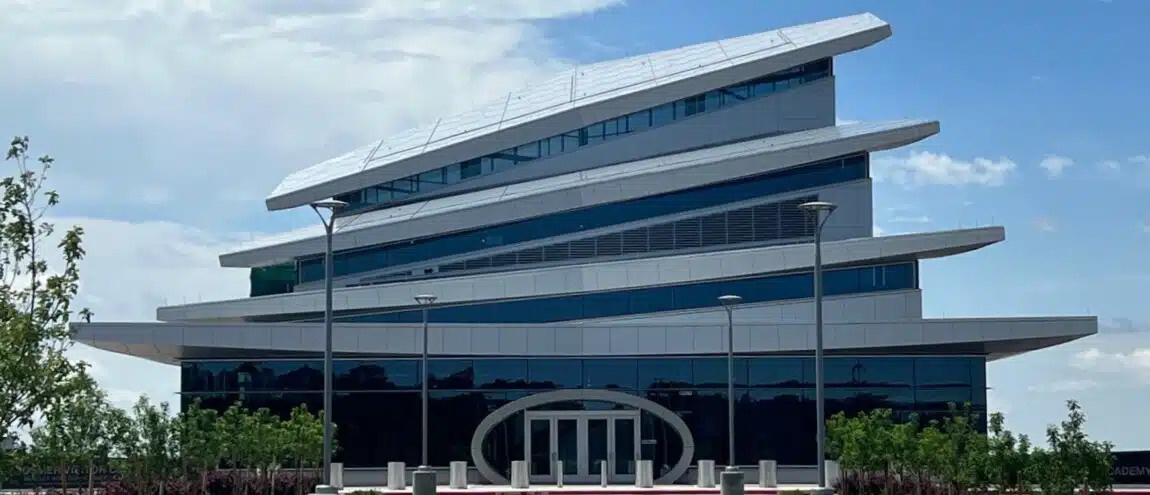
(580, 440)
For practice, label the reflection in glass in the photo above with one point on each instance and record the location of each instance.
(624, 446)
(596, 444)
(540, 447)
(567, 438)
(377, 416)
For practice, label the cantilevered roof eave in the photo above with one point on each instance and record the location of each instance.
(696, 168)
(416, 150)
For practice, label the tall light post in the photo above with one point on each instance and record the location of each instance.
(729, 302)
(332, 206)
(816, 209)
(425, 301)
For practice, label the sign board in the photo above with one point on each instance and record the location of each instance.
(1132, 467)
(77, 477)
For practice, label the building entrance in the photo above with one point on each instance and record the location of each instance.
(580, 439)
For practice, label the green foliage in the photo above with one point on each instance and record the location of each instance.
(75, 432)
(35, 302)
(147, 445)
(1070, 459)
(950, 455)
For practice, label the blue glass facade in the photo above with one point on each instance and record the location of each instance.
(775, 394)
(401, 189)
(825, 173)
(898, 276)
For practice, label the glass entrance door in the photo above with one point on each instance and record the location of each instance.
(581, 440)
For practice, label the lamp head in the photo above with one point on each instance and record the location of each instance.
(329, 204)
(818, 206)
(425, 299)
(730, 300)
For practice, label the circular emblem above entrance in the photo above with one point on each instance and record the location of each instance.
(507, 410)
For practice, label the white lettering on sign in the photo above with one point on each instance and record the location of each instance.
(1132, 470)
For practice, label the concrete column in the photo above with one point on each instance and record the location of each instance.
(396, 476)
(731, 482)
(833, 473)
(336, 475)
(705, 474)
(519, 478)
(423, 481)
(458, 474)
(645, 474)
(768, 474)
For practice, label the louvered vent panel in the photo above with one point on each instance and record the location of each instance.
(760, 223)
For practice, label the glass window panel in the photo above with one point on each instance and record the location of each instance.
(942, 371)
(780, 372)
(451, 374)
(665, 373)
(940, 398)
(398, 374)
(610, 374)
(555, 373)
(501, 373)
(712, 372)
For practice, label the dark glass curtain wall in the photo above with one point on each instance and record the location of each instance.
(376, 406)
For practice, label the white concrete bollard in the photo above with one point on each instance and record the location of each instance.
(559, 473)
(705, 475)
(458, 477)
(336, 475)
(396, 476)
(603, 473)
(768, 474)
(833, 473)
(645, 474)
(519, 478)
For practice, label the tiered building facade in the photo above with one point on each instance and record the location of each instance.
(577, 234)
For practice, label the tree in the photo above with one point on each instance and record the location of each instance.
(303, 440)
(35, 302)
(74, 433)
(147, 445)
(200, 441)
(1071, 461)
(1009, 456)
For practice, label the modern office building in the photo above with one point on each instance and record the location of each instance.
(577, 234)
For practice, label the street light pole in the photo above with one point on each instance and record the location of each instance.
(816, 208)
(332, 206)
(729, 302)
(731, 479)
(425, 301)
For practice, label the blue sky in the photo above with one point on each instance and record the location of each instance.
(172, 119)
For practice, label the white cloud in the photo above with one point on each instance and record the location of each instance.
(1135, 362)
(926, 168)
(171, 119)
(207, 102)
(1055, 165)
(1046, 224)
(1059, 386)
(996, 403)
(915, 219)
(878, 231)
(1110, 165)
